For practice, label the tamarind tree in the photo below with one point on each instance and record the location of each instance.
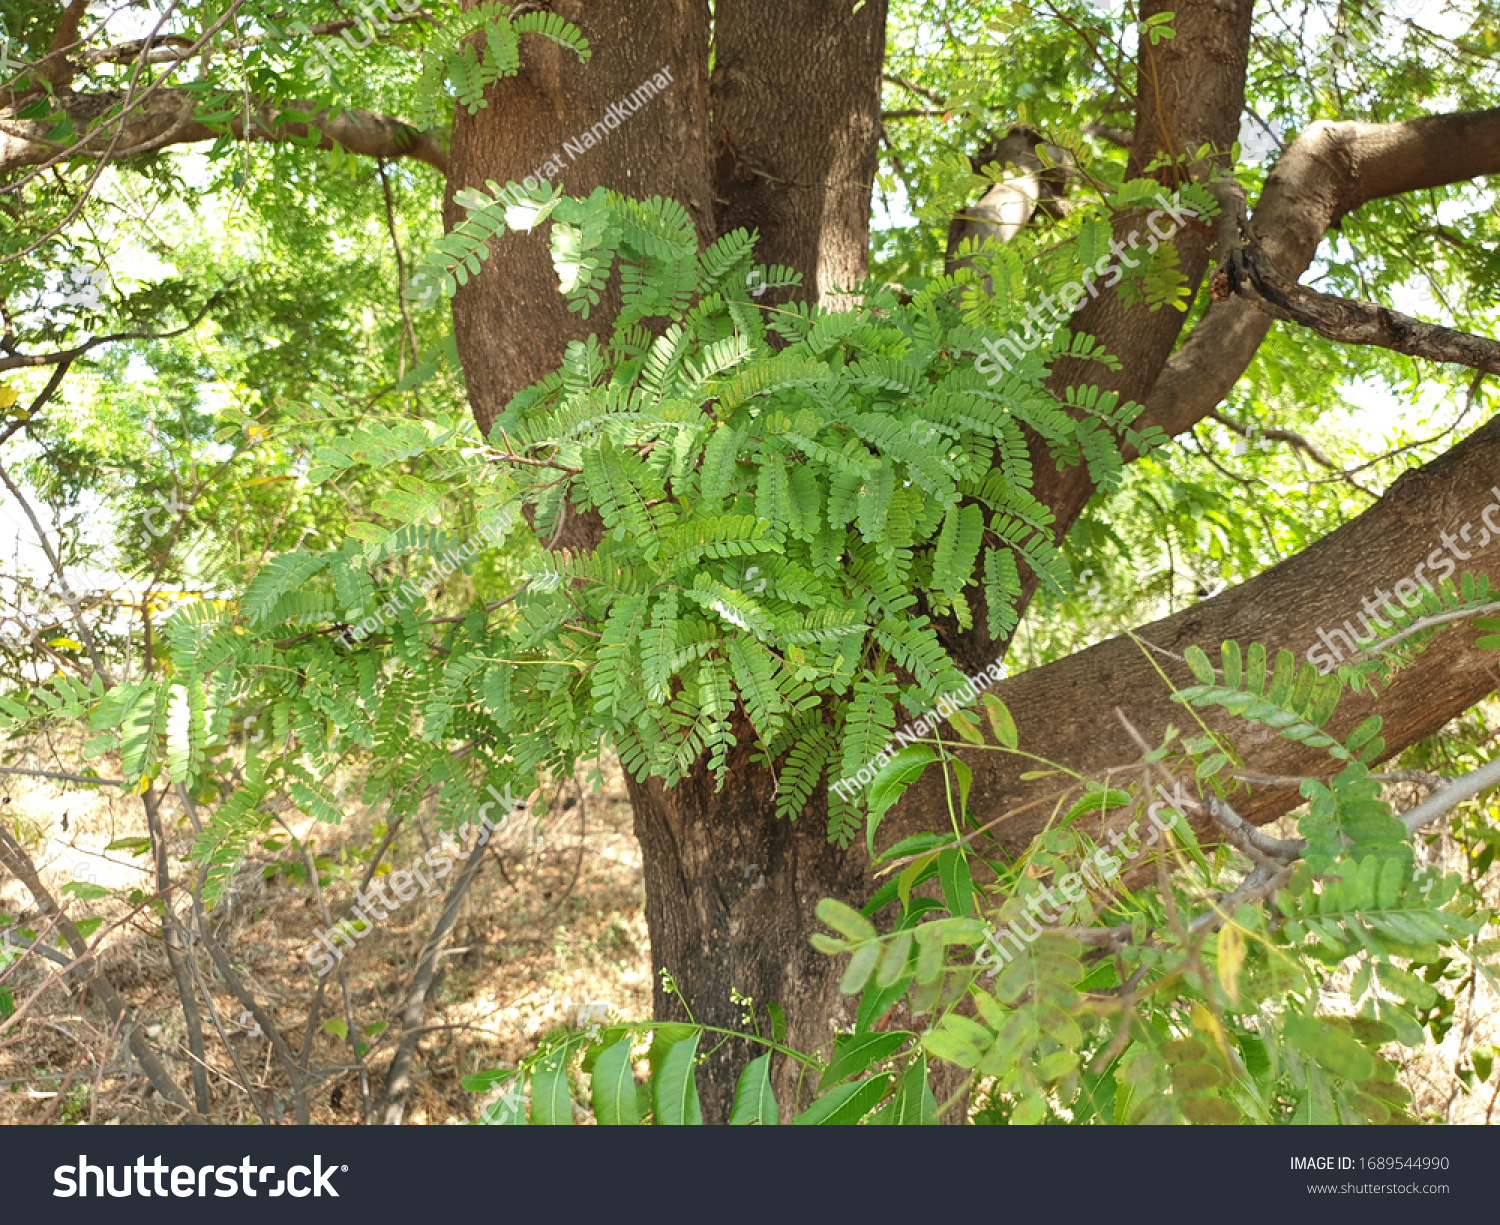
(765, 519)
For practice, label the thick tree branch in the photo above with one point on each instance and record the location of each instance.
(1316, 597)
(1330, 170)
(1461, 789)
(166, 120)
(133, 104)
(1250, 273)
(1192, 93)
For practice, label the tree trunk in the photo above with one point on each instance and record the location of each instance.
(730, 893)
(796, 119)
(790, 150)
(512, 323)
(796, 123)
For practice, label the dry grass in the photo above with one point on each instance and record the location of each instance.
(552, 930)
(554, 922)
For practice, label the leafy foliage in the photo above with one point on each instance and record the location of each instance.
(1194, 1003)
(540, 1091)
(849, 473)
(480, 47)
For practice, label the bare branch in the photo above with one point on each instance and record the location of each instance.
(132, 103)
(1251, 274)
(65, 357)
(1461, 789)
(67, 778)
(14, 859)
(1294, 439)
(398, 1076)
(95, 657)
(916, 90)
(167, 120)
(178, 954)
(1328, 172)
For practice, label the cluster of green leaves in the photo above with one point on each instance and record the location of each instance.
(462, 66)
(774, 520)
(861, 1083)
(1218, 1018)
(1294, 702)
(273, 660)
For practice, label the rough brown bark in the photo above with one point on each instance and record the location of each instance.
(512, 324)
(1191, 93)
(1252, 275)
(730, 893)
(795, 97)
(1328, 172)
(805, 186)
(1284, 607)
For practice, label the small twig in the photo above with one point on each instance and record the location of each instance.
(1291, 437)
(398, 1077)
(234, 1057)
(67, 778)
(390, 223)
(17, 361)
(52, 559)
(1416, 627)
(928, 94)
(351, 1032)
(14, 858)
(177, 952)
(109, 1050)
(1260, 847)
(252, 1005)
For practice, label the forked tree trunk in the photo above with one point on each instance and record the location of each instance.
(790, 150)
(730, 893)
(804, 185)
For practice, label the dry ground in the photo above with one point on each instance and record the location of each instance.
(552, 934)
(552, 928)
